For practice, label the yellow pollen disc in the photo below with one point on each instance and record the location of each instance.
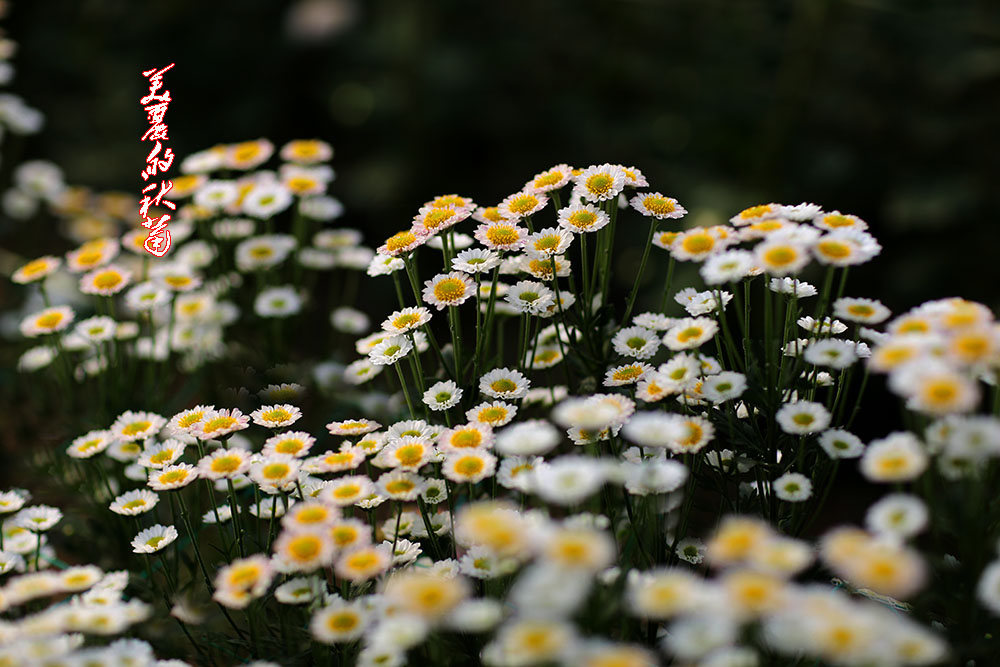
(49, 320)
(399, 486)
(502, 235)
(275, 470)
(34, 267)
(362, 561)
(658, 205)
(684, 336)
(343, 622)
(301, 184)
(346, 491)
(154, 541)
(503, 385)
(404, 321)
(628, 373)
(290, 446)
(134, 504)
(312, 515)
(493, 414)
(466, 439)
(582, 219)
(449, 289)
(162, 457)
(547, 243)
(941, 392)
(468, 466)
(523, 204)
(861, 310)
(182, 281)
(694, 434)
(400, 240)
(218, 424)
(834, 249)
(599, 184)
(755, 211)
(410, 454)
(837, 221)
(136, 428)
(698, 244)
(173, 476)
(492, 214)
(244, 576)
(344, 535)
(438, 217)
(276, 415)
(914, 326)
(780, 256)
(261, 252)
(225, 464)
(89, 258)
(191, 419)
(803, 419)
(551, 178)
(337, 458)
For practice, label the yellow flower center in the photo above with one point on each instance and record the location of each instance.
(173, 477)
(134, 504)
(492, 414)
(89, 258)
(780, 256)
(627, 373)
(289, 446)
(755, 211)
(410, 455)
(49, 320)
(548, 178)
(582, 219)
(698, 243)
(346, 491)
(34, 267)
(276, 415)
(803, 419)
(162, 457)
(834, 249)
(547, 243)
(343, 621)
(344, 535)
(275, 470)
(437, 217)
(523, 204)
(177, 281)
(449, 289)
(694, 435)
(190, 419)
(837, 221)
(503, 385)
(338, 458)
(468, 466)
(687, 335)
(226, 464)
(405, 321)
(599, 184)
(218, 424)
(399, 486)
(399, 241)
(155, 541)
(107, 280)
(941, 392)
(244, 576)
(635, 342)
(658, 205)
(492, 214)
(502, 235)
(135, 428)
(362, 561)
(305, 548)
(860, 310)
(261, 252)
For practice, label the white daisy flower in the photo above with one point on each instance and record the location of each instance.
(530, 297)
(582, 218)
(442, 395)
(865, 311)
(504, 383)
(897, 515)
(475, 260)
(801, 417)
(153, 539)
(728, 266)
(831, 352)
(899, 457)
(599, 183)
(656, 205)
(792, 487)
(800, 288)
(390, 350)
(281, 302)
(840, 444)
(690, 333)
(266, 200)
(636, 342)
(528, 438)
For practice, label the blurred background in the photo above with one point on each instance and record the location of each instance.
(888, 110)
